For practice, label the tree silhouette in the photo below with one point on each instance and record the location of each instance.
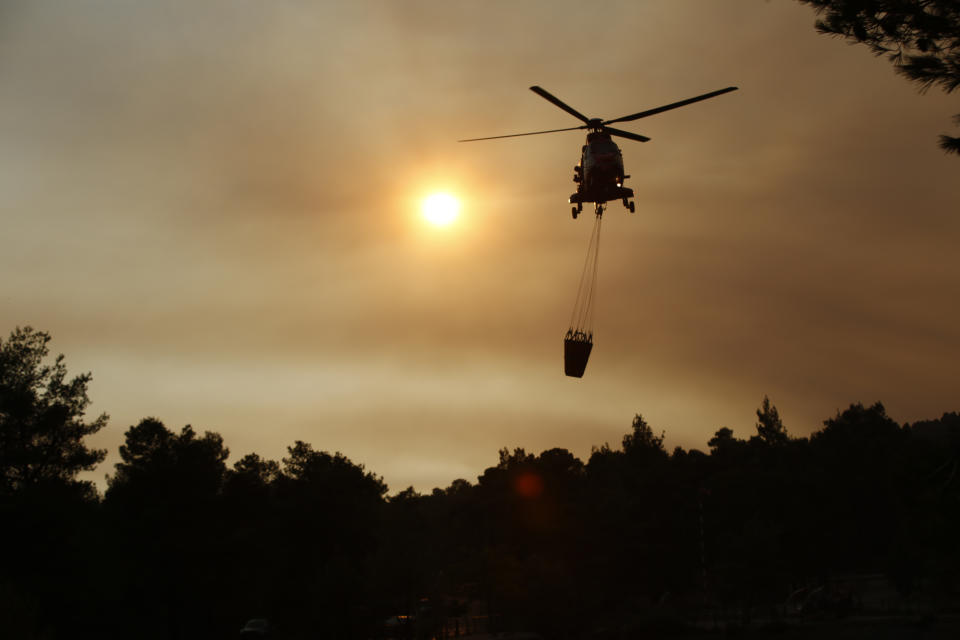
(329, 509)
(863, 473)
(158, 465)
(167, 528)
(253, 534)
(642, 440)
(251, 482)
(723, 442)
(920, 37)
(47, 536)
(41, 417)
(634, 542)
(769, 426)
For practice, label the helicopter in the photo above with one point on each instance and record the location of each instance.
(600, 174)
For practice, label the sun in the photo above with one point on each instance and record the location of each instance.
(440, 209)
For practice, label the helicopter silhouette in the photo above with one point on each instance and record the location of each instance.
(600, 175)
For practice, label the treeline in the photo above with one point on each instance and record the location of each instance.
(183, 545)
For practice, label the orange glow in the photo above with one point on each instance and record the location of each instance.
(528, 485)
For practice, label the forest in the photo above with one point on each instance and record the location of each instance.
(182, 544)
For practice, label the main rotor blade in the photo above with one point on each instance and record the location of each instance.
(626, 134)
(673, 105)
(543, 93)
(517, 135)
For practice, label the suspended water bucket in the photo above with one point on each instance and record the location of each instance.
(578, 342)
(576, 352)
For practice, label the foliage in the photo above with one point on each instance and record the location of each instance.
(41, 417)
(770, 428)
(48, 517)
(158, 465)
(642, 440)
(920, 37)
(323, 471)
(722, 441)
(181, 546)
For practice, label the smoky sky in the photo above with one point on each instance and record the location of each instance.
(212, 207)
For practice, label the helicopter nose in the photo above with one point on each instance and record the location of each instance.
(605, 161)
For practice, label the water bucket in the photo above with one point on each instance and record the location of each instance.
(576, 352)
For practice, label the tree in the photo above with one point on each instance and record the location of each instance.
(256, 468)
(330, 510)
(49, 536)
(41, 417)
(251, 478)
(920, 37)
(158, 465)
(770, 429)
(642, 439)
(865, 475)
(721, 440)
(328, 474)
(166, 530)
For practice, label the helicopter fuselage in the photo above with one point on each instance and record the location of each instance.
(600, 174)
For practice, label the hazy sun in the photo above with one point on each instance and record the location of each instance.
(440, 209)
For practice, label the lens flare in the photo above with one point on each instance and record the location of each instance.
(528, 484)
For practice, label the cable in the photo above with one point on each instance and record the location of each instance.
(582, 314)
